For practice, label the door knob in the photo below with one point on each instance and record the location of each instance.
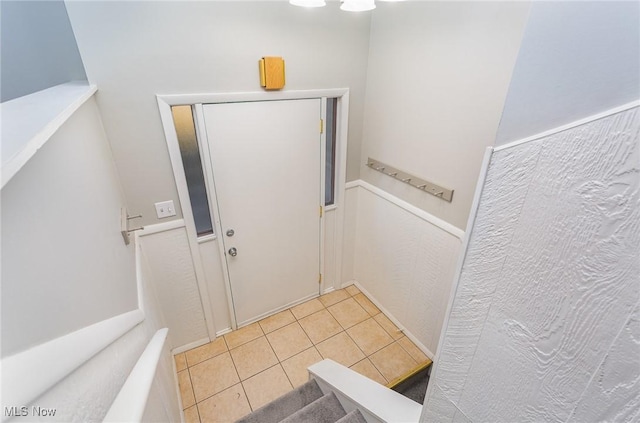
(230, 232)
(233, 252)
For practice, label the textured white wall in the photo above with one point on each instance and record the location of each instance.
(349, 233)
(135, 50)
(577, 59)
(64, 264)
(406, 263)
(544, 322)
(330, 277)
(174, 279)
(437, 78)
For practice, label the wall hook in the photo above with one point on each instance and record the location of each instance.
(421, 184)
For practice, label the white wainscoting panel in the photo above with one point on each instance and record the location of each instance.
(544, 323)
(171, 266)
(349, 231)
(329, 266)
(406, 262)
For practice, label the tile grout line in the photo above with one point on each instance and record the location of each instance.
(357, 346)
(216, 393)
(374, 366)
(239, 345)
(408, 352)
(278, 358)
(246, 396)
(210, 358)
(379, 349)
(314, 345)
(198, 411)
(260, 372)
(193, 391)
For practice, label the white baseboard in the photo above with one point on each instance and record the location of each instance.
(396, 322)
(223, 332)
(277, 310)
(330, 289)
(190, 346)
(348, 283)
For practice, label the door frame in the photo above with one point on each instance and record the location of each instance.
(197, 101)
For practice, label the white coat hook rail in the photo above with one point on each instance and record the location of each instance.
(124, 225)
(426, 186)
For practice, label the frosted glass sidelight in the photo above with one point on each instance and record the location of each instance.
(188, 141)
(330, 159)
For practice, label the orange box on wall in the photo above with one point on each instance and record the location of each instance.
(272, 73)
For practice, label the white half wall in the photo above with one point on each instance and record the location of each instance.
(349, 231)
(544, 322)
(405, 258)
(171, 266)
(64, 263)
(437, 78)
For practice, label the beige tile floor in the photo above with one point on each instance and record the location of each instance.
(247, 368)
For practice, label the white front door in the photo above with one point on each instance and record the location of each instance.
(266, 159)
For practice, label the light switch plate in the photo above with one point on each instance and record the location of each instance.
(165, 209)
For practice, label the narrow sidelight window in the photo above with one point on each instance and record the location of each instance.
(186, 131)
(330, 160)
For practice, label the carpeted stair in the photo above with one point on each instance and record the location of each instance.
(415, 386)
(304, 404)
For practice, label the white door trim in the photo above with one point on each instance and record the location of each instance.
(197, 99)
(323, 158)
(205, 156)
(342, 131)
(183, 196)
(209, 98)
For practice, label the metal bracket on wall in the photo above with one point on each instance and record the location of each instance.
(426, 186)
(124, 225)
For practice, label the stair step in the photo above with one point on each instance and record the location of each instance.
(286, 405)
(414, 384)
(354, 417)
(323, 410)
(417, 369)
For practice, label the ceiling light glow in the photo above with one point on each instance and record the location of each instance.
(358, 5)
(308, 3)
